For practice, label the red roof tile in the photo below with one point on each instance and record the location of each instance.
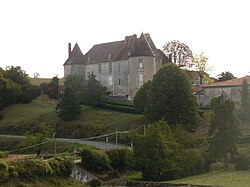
(228, 83)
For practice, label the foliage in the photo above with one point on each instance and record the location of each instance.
(69, 107)
(61, 166)
(17, 75)
(179, 53)
(30, 93)
(141, 97)
(4, 172)
(224, 129)
(201, 65)
(224, 76)
(52, 88)
(3, 154)
(170, 97)
(156, 153)
(95, 182)
(95, 160)
(120, 158)
(242, 162)
(33, 168)
(245, 102)
(94, 91)
(127, 109)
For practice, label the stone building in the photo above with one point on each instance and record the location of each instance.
(231, 88)
(121, 66)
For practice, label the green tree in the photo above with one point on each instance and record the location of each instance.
(156, 153)
(199, 62)
(52, 88)
(170, 97)
(245, 102)
(17, 75)
(141, 96)
(94, 91)
(69, 107)
(224, 129)
(224, 76)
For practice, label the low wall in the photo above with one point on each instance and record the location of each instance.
(81, 175)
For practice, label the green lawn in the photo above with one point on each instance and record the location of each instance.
(219, 178)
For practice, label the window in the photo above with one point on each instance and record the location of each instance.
(119, 67)
(109, 57)
(119, 82)
(140, 63)
(100, 68)
(141, 79)
(73, 70)
(110, 80)
(161, 62)
(110, 68)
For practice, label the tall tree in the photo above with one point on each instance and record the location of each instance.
(224, 129)
(199, 62)
(17, 75)
(94, 91)
(179, 53)
(224, 76)
(245, 102)
(170, 97)
(69, 107)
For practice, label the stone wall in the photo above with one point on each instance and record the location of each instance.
(81, 175)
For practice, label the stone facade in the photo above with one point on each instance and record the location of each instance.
(121, 66)
(231, 88)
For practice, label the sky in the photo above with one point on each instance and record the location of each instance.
(34, 34)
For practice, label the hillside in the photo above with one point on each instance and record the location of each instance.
(40, 113)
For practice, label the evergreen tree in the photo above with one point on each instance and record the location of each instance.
(245, 102)
(94, 91)
(224, 129)
(69, 107)
(170, 97)
(141, 97)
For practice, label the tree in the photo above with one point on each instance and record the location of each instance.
(224, 129)
(52, 88)
(170, 97)
(179, 53)
(94, 91)
(201, 65)
(141, 96)
(224, 76)
(245, 102)
(69, 107)
(156, 153)
(17, 75)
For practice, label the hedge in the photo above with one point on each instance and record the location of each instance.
(119, 108)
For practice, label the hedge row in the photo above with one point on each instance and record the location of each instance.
(36, 168)
(119, 103)
(119, 108)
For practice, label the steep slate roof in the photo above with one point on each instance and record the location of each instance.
(115, 51)
(229, 83)
(76, 56)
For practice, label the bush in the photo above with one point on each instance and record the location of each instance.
(120, 158)
(12, 171)
(4, 172)
(95, 160)
(95, 182)
(242, 162)
(119, 103)
(61, 166)
(33, 168)
(3, 154)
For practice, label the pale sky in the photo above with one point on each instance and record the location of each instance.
(34, 34)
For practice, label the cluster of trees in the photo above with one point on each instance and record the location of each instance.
(168, 103)
(15, 87)
(78, 91)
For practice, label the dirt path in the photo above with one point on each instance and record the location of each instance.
(12, 158)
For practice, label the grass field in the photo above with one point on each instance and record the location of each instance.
(19, 118)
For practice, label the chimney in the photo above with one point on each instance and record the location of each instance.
(69, 48)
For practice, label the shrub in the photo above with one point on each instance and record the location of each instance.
(120, 158)
(127, 109)
(95, 182)
(242, 162)
(33, 168)
(4, 172)
(12, 171)
(3, 154)
(95, 160)
(62, 166)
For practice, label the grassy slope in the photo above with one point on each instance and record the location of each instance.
(42, 110)
(219, 178)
